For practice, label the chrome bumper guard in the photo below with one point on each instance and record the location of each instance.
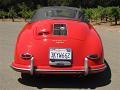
(32, 66)
(86, 68)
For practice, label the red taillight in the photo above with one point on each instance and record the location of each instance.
(26, 56)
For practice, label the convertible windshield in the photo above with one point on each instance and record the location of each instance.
(62, 13)
(59, 12)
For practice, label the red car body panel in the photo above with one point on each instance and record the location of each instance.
(81, 37)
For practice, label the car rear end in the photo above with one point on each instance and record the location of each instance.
(59, 47)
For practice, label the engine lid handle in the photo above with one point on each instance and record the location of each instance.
(43, 32)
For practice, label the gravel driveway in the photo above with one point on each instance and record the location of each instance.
(11, 80)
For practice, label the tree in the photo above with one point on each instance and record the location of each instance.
(3, 14)
(96, 14)
(115, 14)
(12, 14)
(24, 11)
(89, 13)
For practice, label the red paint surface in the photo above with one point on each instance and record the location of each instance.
(81, 38)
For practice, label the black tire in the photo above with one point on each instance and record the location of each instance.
(26, 76)
(104, 76)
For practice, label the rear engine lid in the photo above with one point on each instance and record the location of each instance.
(61, 29)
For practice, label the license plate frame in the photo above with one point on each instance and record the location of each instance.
(60, 54)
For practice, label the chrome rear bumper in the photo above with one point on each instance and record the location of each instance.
(85, 71)
(45, 71)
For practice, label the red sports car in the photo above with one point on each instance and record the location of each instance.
(59, 40)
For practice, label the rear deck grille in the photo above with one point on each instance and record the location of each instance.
(59, 29)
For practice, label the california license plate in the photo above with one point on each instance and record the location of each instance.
(60, 54)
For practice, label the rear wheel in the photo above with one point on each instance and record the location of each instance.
(104, 76)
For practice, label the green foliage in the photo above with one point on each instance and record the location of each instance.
(89, 13)
(93, 13)
(39, 6)
(12, 13)
(102, 12)
(115, 13)
(25, 8)
(108, 13)
(3, 14)
(25, 12)
(96, 14)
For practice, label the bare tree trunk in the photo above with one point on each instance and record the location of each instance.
(101, 18)
(13, 20)
(115, 20)
(106, 18)
(25, 19)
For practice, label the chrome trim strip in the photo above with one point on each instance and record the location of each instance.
(59, 70)
(42, 70)
(99, 68)
(19, 68)
(46, 70)
(69, 70)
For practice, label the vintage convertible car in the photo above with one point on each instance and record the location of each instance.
(59, 40)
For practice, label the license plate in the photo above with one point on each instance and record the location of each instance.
(60, 54)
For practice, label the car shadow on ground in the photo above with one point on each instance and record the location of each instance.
(50, 81)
